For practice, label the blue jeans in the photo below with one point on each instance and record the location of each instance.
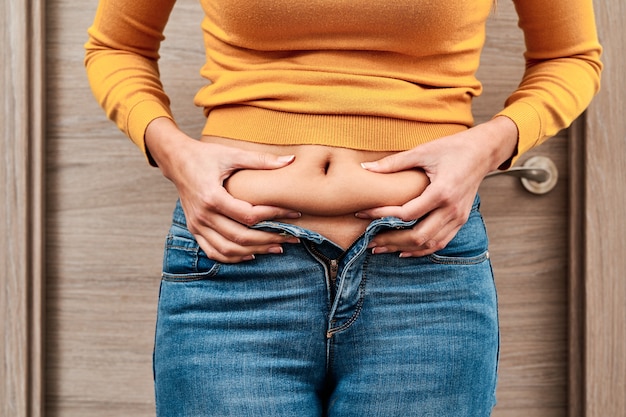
(317, 331)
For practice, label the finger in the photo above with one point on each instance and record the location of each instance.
(212, 253)
(407, 246)
(242, 236)
(402, 241)
(400, 161)
(226, 251)
(392, 241)
(238, 243)
(260, 160)
(430, 235)
(433, 245)
(241, 211)
(416, 208)
(380, 212)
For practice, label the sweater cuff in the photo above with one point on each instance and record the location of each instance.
(529, 128)
(139, 117)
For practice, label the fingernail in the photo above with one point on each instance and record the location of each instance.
(293, 215)
(292, 240)
(379, 250)
(286, 158)
(405, 255)
(275, 249)
(361, 215)
(248, 258)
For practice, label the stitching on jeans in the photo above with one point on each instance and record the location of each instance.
(359, 305)
(192, 276)
(329, 298)
(451, 260)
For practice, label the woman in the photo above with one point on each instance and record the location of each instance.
(327, 256)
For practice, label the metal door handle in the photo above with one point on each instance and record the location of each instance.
(538, 174)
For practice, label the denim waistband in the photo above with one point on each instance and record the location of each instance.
(372, 229)
(300, 232)
(322, 242)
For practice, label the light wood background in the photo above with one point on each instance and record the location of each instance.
(99, 317)
(604, 230)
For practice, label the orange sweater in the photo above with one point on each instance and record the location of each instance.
(368, 74)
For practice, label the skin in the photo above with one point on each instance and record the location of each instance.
(455, 165)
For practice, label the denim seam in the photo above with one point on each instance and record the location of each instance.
(169, 277)
(171, 237)
(330, 354)
(450, 260)
(179, 224)
(193, 276)
(359, 305)
(329, 302)
(497, 359)
(329, 290)
(182, 247)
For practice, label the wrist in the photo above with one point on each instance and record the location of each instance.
(501, 137)
(163, 140)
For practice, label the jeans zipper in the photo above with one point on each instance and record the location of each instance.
(331, 264)
(333, 269)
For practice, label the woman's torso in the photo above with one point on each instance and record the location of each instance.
(326, 184)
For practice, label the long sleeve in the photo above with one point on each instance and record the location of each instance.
(366, 79)
(562, 68)
(121, 61)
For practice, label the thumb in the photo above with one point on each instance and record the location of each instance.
(397, 162)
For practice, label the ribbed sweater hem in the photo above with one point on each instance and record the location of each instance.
(371, 133)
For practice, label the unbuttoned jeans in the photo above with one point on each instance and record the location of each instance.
(318, 331)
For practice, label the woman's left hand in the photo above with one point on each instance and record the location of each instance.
(455, 165)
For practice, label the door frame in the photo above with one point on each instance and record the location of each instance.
(597, 322)
(600, 235)
(22, 207)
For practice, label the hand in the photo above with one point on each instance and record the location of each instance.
(455, 165)
(216, 219)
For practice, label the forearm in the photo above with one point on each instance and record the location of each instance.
(121, 58)
(562, 68)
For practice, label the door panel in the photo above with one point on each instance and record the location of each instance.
(108, 212)
(529, 249)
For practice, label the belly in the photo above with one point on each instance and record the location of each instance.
(326, 184)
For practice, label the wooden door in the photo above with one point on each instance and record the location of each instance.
(106, 213)
(529, 249)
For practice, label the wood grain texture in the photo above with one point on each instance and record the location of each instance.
(605, 229)
(529, 249)
(13, 232)
(107, 216)
(529, 252)
(21, 208)
(576, 290)
(101, 298)
(107, 213)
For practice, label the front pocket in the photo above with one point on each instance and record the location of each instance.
(469, 246)
(183, 260)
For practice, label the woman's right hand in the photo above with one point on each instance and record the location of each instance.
(218, 221)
